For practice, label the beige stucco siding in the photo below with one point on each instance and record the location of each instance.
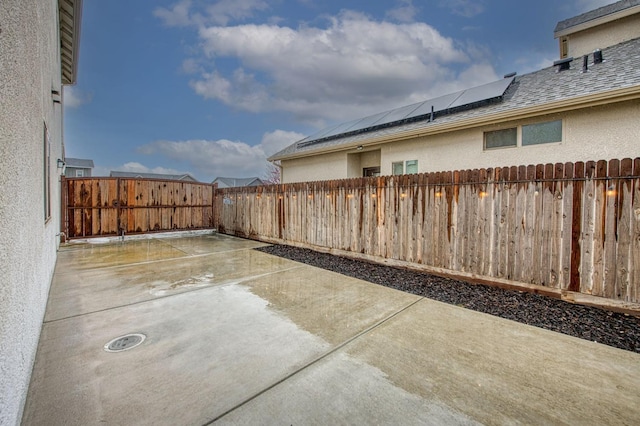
(604, 132)
(609, 34)
(319, 167)
(30, 70)
(593, 134)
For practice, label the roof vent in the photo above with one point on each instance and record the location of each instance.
(563, 64)
(585, 61)
(597, 56)
(511, 74)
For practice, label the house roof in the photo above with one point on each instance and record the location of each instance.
(237, 182)
(70, 14)
(80, 163)
(598, 16)
(184, 176)
(542, 92)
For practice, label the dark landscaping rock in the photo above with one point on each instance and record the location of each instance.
(609, 328)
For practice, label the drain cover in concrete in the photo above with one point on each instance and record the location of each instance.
(123, 343)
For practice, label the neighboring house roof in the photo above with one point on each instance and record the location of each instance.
(227, 182)
(70, 13)
(184, 176)
(79, 163)
(542, 92)
(597, 16)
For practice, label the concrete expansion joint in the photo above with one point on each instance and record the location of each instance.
(318, 359)
(154, 298)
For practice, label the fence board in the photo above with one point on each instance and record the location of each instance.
(110, 206)
(564, 226)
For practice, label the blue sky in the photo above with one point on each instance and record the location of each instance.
(212, 88)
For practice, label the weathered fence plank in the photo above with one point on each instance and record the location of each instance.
(564, 226)
(111, 206)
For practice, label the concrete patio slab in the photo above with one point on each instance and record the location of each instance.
(439, 364)
(77, 292)
(236, 336)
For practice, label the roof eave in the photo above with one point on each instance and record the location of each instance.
(70, 16)
(603, 98)
(597, 21)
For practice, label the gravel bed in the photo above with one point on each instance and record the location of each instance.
(598, 325)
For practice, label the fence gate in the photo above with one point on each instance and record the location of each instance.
(112, 206)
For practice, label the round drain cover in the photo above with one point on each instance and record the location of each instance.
(123, 343)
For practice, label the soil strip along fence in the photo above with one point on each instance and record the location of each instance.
(564, 229)
(113, 206)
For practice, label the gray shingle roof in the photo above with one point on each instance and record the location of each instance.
(227, 182)
(79, 163)
(620, 69)
(184, 176)
(595, 14)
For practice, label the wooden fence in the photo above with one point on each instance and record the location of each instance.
(570, 227)
(113, 206)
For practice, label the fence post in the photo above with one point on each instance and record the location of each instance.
(64, 210)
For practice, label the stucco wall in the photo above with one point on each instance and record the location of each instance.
(609, 34)
(29, 70)
(320, 167)
(593, 134)
(605, 132)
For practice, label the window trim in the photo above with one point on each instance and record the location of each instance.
(518, 128)
(406, 167)
(539, 123)
(515, 145)
(396, 163)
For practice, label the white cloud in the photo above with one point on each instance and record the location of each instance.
(176, 16)
(224, 11)
(465, 8)
(405, 12)
(530, 63)
(73, 97)
(223, 157)
(353, 67)
(182, 14)
(140, 168)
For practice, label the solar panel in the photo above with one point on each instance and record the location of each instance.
(341, 128)
(482, 93)
(367, 121)
(440, 104)
(319, 134)
(399, 113)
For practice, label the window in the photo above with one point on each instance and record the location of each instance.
(371, 171)
(79, 173)
(529, 134)
(501, 138)
(412, 166)
(549, 132)
(46, 172)
(397, 168)
(564, 48)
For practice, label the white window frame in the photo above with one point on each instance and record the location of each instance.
(406, 166)
(397, 163)
(519, 136)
